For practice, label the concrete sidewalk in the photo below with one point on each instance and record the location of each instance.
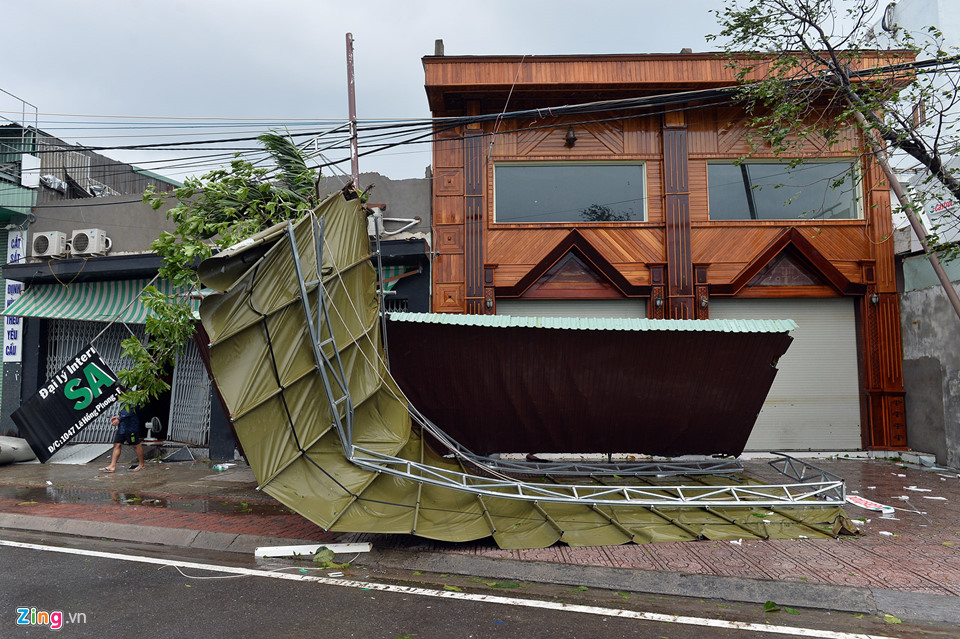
(907, 564)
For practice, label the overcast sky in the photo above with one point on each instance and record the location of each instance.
(284, 60)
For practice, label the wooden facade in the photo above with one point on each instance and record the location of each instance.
(677, 259)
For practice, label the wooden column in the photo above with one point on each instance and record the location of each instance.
(474, 163)
(881, 348)
(448, 222)
(681, 303)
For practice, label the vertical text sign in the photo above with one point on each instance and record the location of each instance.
(13, 326)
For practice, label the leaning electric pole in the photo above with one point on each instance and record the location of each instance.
(352, 102)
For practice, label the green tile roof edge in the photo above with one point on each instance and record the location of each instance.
(156, 176)
(601, 323)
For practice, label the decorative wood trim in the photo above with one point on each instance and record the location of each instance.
(677, 218)
(701, 292)
(489, 294)
(448, 181)
(473, 223)
(657, 292)
(447, 210)
(793, 240)
(449, 238)
(577, 243)
(448, 298)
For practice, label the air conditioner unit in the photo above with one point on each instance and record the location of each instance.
(89, 242)
(49, 244)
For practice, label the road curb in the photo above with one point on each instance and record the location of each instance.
(870, 601)
(178, 537)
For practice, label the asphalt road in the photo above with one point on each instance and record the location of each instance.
(106, 589)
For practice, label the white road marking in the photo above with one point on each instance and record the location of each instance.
(463, 596)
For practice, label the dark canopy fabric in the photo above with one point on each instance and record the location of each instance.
(611, 386)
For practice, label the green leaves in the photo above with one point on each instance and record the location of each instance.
(772, 606)
(212, 212)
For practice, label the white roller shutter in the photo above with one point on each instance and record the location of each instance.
(630, 307)
(814, 402)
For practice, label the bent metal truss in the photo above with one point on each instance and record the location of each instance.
(295, 348)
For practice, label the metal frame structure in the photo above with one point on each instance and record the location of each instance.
(811, 487)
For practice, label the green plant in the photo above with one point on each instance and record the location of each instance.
(212, 212)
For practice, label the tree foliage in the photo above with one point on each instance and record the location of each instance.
(809, 67)
(212, 212)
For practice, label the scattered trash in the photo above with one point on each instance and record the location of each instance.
(335, 574)
(310, 549)
(886, 534)
(772, 606)
(180, 455)
(917, 490)
(219, 467)
(871, 487)
(937, 498)
(900, 475)
(870, 505)
(738, 542)
(49, 483)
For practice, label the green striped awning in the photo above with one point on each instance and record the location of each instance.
(391, 275)
(107, 301)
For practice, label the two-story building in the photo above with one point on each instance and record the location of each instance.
(636, 203)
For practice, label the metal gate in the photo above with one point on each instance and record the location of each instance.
(189, 419)
(65, 338)
(190, 400)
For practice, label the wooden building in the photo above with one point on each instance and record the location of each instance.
(642, 211)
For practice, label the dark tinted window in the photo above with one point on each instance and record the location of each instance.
(526, 193)
(773, 191)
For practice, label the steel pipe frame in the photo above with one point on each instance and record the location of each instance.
(826, 490)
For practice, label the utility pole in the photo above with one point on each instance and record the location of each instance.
(352, 101)
(911, 213)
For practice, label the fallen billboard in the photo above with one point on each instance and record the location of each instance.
(295, 348)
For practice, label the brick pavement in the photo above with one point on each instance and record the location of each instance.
(921, 553)
(908, 552)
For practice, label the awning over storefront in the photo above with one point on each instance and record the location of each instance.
(104, 301)
(393, 274)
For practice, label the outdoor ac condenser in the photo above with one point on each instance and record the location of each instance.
(49, 244)
(89, 242)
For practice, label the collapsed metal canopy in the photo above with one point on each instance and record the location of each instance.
(296, 353)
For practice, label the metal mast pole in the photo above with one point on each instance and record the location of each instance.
(352, 101)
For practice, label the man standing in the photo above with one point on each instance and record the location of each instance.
(128, 432)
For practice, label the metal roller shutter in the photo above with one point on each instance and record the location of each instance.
(814, 402)
(573, 308)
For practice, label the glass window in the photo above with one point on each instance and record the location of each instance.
(567, 192)
(774, 191)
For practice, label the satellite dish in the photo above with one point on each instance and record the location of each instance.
(889, 23)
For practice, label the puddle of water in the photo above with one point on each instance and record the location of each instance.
(54, 495)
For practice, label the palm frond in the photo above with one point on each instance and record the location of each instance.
(294, 175)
